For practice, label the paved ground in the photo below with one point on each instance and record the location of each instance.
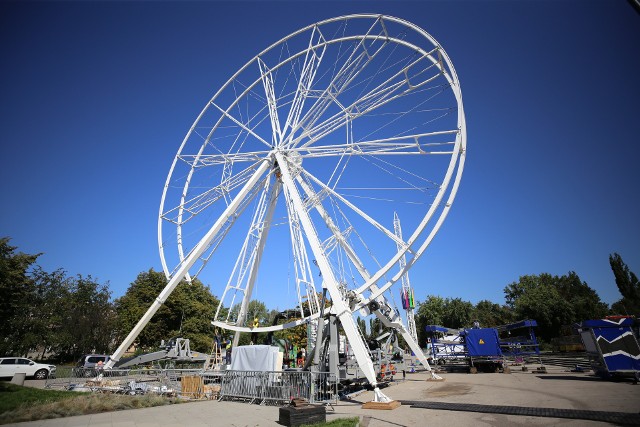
(556, 389)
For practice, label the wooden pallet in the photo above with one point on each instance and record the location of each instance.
(382, 405)
(193, 387)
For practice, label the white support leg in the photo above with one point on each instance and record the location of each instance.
(188, 263)
(265, 225)
(388, 322)
(420, 355)
(340, 307)
(413, 345)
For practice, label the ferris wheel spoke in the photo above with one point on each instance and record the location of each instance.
(404, 145)
(221, 235)
(310, 66)
(245, 271)
(354, 208)
(339, 305)
(302, 268)
(338, 235)
(397, 86)
(457, 165)
(187, 209)
(329, 96)
(267, 82)
(353, 66)
(204, 160)
(239, 123)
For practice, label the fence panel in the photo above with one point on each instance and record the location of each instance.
(123, 381)
(325, 388)
(247, 385)
(279, 387)
(273, 387)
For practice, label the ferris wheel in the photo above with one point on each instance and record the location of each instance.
(291, 177)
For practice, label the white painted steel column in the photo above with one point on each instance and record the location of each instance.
(253, 275)
(188, 263)
(387, 321)
(340, 307)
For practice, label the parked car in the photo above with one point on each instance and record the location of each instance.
(89, 364)
(13, 365)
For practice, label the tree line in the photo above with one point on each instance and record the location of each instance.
(66, 316)
(50, 311)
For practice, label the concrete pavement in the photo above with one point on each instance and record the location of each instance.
(556, 389)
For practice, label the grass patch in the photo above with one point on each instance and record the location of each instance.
(13, 396)
(339, 422)
(18, 404)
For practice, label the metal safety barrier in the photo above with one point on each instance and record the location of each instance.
(254, 386)
(166, 382)
(279, 386)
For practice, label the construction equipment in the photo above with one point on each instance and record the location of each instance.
(473, 347)
(518, 340)
(445, 345)
(176, 350)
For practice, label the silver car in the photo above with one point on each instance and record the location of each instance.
(17, 365)
(89, 365)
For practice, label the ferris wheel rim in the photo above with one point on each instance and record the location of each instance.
(454, 170)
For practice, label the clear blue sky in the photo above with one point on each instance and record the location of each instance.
(95, 98)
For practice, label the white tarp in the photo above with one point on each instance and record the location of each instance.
(255, 358)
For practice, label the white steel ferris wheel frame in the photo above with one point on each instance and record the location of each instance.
(275, 172)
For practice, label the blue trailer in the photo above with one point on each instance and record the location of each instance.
(612, 346)
(445, 345)
(518, 340)
(475, 347)
(483, 348)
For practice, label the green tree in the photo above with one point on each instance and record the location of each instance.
(585, 302)
(48, 321)
(16, 288)
(490, 314)
(457, 313)
(448, 312)
(362, 325)
(376, 328)
(295, 336)
(628, 285)
(553, 301)
(256, 311)
(186, 313)
(49, 311)
(429, 312)
(517, 289)
(88, 318)
(544, 304)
